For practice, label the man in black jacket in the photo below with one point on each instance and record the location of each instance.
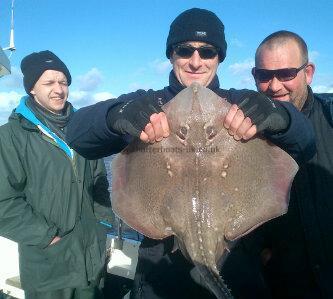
(299, 245)
(195, 46)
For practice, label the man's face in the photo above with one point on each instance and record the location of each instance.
(51, 91)
(194, 69)
(286, 55)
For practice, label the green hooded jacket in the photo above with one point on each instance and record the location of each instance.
(48, 190)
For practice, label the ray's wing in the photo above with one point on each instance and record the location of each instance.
(151, 186)
(147, 187)
(254, 180)
(264, 196)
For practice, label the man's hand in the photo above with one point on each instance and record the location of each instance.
(267, 114)
(156, 129)
(133, 116)
(239, 126)
(55, 240)
(256, 113)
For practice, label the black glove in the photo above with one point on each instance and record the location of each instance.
(267, 114)
(131, 117)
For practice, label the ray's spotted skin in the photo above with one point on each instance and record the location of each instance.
(200, 184)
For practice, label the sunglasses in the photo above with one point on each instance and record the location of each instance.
(186, 51)
(263, 75)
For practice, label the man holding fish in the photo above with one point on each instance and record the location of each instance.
(195, 46)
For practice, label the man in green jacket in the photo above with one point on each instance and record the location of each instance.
(47, 190)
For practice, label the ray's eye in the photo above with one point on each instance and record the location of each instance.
(182, 132)
(210, 132)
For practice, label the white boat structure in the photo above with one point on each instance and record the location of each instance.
(4, 64)
(4, 60)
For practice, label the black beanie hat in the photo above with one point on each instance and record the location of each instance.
(35, 64)
(199, 25)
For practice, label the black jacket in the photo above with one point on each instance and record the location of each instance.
(301, 241)
(159, 271)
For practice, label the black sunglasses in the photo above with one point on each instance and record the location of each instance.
(186, 51)
(263, 75)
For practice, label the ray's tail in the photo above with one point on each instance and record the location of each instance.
(214, 282)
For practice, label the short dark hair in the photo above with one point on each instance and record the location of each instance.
(283, 36)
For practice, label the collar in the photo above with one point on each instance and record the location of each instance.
(176, 86)
(308, 105)
(24, 111)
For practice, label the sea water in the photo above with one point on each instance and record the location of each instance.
(108, 218)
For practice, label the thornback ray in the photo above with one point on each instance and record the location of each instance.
(199, 184)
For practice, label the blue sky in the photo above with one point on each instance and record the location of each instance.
(114, 47)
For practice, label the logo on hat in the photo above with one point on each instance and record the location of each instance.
(201, 33)
(49, 61)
